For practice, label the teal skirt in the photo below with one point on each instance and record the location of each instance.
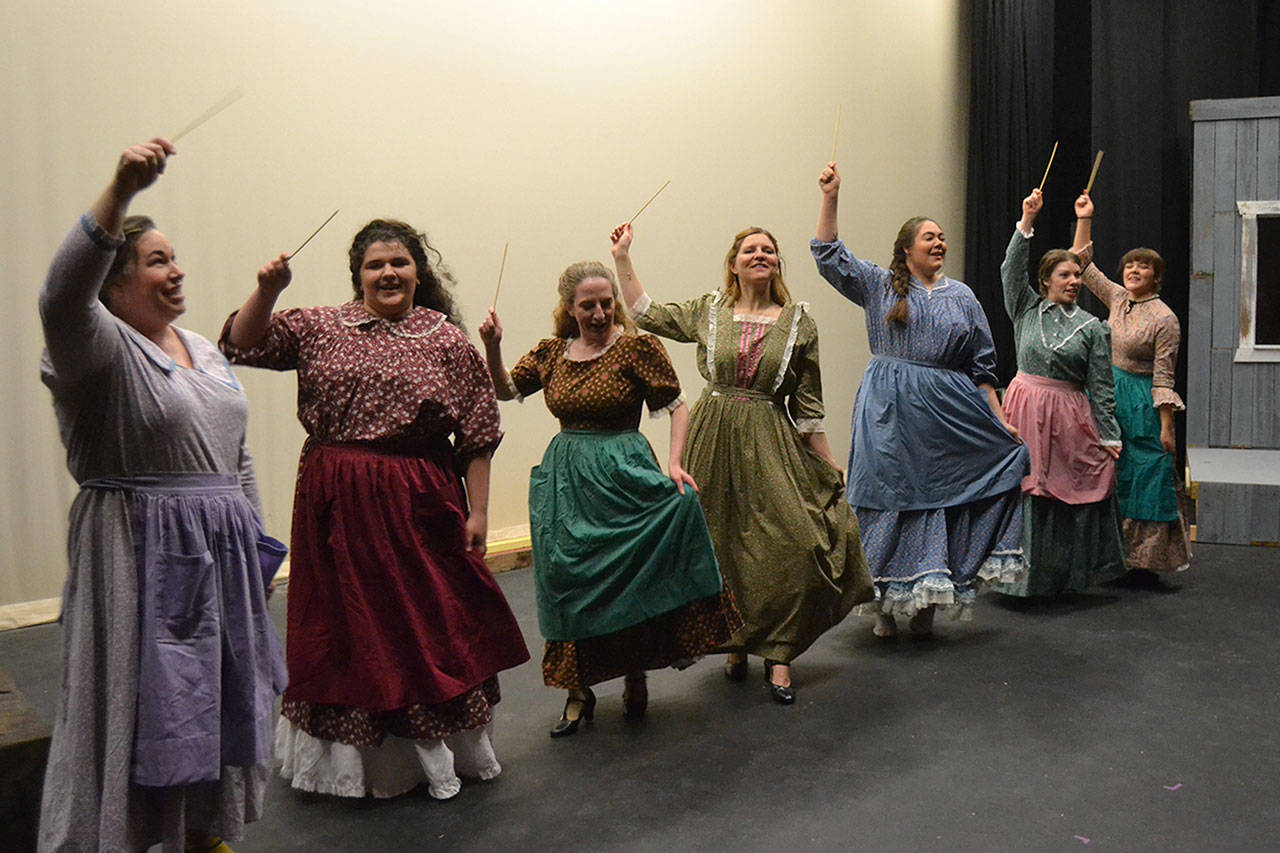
(614, 542)
(1144, 472)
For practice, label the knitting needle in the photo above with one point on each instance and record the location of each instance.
(1097, 161)
(227, 100)
(501, 267)
(1046, 168)
(646, 204)
(295, 252)
(836, 141)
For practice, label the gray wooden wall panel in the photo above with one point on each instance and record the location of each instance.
(1217, 109)
(1220, 364)
(1243, 379)
(1198, 352)
(1247, 160)
(1269, 162)
(1224, 167)
(1202, 201)
(1223, 514)
(1209, 513)
(1264, 511)
(1266, 418)
(1226, 291)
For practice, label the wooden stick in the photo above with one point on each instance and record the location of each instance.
(836, 141)
(295, 252)
(1046, 168)
(646, 204)
(1097, 161)
(227, 100)
(501, 267)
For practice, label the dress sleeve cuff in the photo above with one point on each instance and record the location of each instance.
(511, 387)
(1167, 397)
(1086, 254)
(1017, 226)
(809, 426)
(669, 407)
(641, 305)
(1113, 442)
(98, 234)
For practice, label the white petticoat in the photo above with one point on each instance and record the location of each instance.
(397, 766)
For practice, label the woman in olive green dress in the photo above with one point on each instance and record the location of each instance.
(786, 539)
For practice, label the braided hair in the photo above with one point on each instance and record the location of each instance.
(899, 275)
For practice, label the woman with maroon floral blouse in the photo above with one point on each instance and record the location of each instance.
(396, 628)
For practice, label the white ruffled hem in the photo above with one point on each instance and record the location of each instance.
(907, 598)
(397, 766)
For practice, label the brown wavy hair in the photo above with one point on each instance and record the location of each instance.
(563, 323)
(1146, 256)
(733, 288)
(899, 275)
(434, 278)
(1050, 262)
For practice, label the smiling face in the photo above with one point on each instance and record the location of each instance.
(148, 296)
(593, 309)
(1063, 284)
(927, 251)
(388, 279)
(1140, 278)
(756, 261)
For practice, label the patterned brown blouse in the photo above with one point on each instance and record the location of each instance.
(1145, 335)
(411, 381)
(604, 393)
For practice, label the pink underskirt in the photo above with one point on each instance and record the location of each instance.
(1068, 461)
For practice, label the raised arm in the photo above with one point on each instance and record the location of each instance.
(1014, 271)
(252, 321)
(632, 291)
(1084, 224)
(828, 210)
(858, 281)
(491, 335)
(1094, 279)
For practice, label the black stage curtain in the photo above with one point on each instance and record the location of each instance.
(1112, 74)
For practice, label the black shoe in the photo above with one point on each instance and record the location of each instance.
(635, 697)
(781, 695)
(736, 670)
(565, 726)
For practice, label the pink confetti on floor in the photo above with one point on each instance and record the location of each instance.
(1173, 787)
(1081, 839)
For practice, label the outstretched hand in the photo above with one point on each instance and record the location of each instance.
(491, 329)
(829, 180)
(139, 166)
(1084, 206)
(621, 237)
(275, 276)
(680, 477)
(1031, 204)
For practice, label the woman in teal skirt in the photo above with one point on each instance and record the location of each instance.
(625, 575)
(1145, 336)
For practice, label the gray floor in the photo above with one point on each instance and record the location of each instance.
(1129, 718)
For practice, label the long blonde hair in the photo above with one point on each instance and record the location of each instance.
(563, 323)
(733, 288)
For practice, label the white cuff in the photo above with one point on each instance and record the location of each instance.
(641, 305)
(511, 387)
(1017, 226)
(809, 426)
(669, 407)
(1113, 443)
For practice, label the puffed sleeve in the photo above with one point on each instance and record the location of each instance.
(1015, 276)
(1168, 336)
(1099, 383)
(1102, 287)
(652, 369)
(528, 376)
(805, 405)
(81, 335)
(982, 364)
(474, 403)
(679, 321)
(858, 281)
(280, 347)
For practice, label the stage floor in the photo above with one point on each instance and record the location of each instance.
(1128, 718)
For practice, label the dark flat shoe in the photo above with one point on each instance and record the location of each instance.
(736, 670)
(635, 697)
(565, 726)
(781, 695)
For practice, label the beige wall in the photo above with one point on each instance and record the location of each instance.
(542, 123)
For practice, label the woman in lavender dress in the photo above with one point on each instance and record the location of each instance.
(935, 470)
(170, 663)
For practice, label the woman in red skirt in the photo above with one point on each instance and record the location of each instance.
(396, 628)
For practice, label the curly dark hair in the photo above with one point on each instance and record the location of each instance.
(434, 279)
